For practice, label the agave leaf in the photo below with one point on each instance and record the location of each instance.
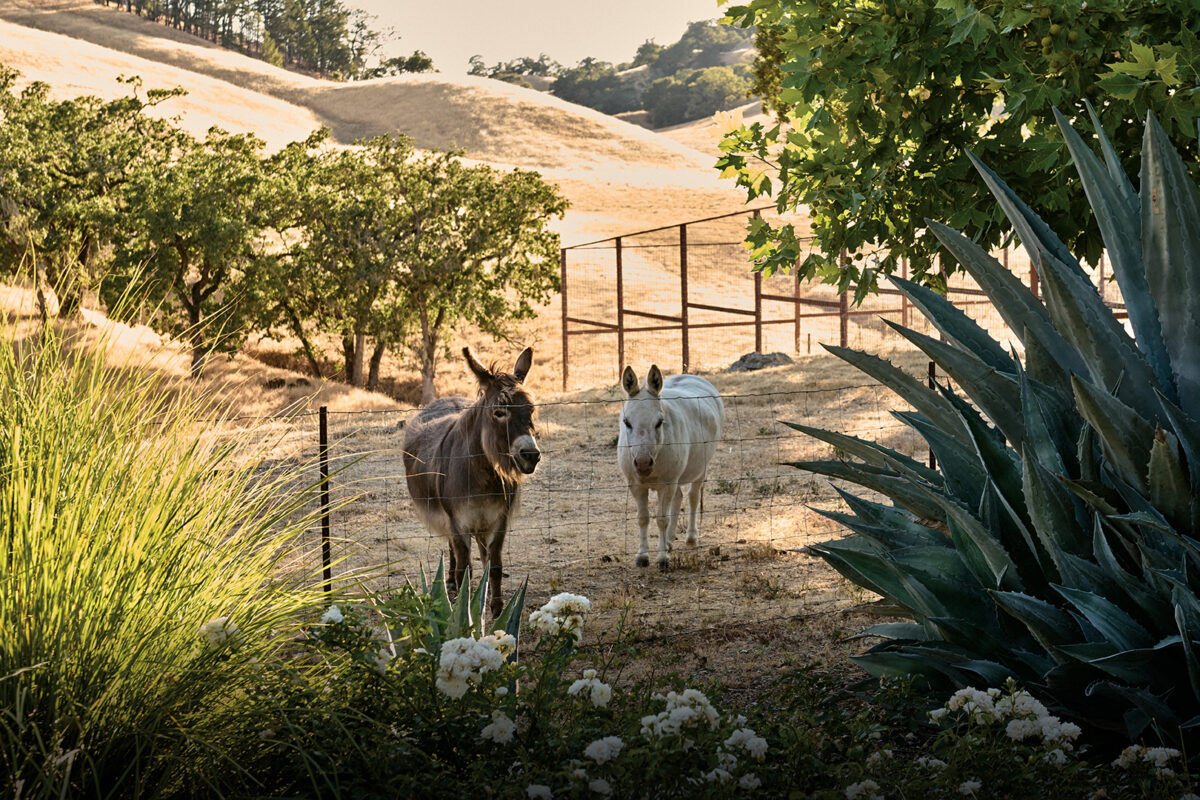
(1188, 433)
(1112, 162)
(997, 394)
(1113, 622)
(1049, 625)
(870, 452)
(1035, 235)
(1001, 463)
(479, 601)
(900, 491)
(992, 673)
(1045, 433)
(982, 552)
(895, 631)
(960, 465)
(1150, 605)
(939, 576)
(955, 325)
(1189, 652)
(1081, 316)
(865, 566)
(898, 664)
(1052, 511)
(1152, 708)
(1043, 368)
(886, 537)
(1167, 480)
(1117, 213)
(1124, 434)
(1171, 253)
(1021, 310)
(909, 389)
(894, 518)
(509, 620)
(1132, 666)
(1014, 534)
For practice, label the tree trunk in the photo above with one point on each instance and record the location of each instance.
(306, 344)
(428, 367)
(347, 357)
(360, 352)
(376, 358)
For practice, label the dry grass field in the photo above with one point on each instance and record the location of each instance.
(763, 603)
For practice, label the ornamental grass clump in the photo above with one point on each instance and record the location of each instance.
(141, 580)
(1056, 542)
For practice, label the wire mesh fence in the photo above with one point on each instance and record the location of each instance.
(576, 529)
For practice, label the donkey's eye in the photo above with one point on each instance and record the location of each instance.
(658, 424)
(500, 413)
(627, 425)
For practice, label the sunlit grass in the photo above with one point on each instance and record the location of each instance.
(121, 534)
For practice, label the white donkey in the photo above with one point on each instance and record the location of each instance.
(669, 432)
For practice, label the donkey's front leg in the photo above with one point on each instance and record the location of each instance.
(669, 500)
(460, 557)
(641, 496)
(495, 560)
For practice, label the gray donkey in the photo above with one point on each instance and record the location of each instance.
(465, 463)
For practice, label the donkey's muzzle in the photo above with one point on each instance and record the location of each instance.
(527, 460)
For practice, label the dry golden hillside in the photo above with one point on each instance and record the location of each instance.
(619, 177)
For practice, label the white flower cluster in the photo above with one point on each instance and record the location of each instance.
(876, 758)
(1158, 757)
(332, 616)
(381, 659)
(604, 750)
(464, 661)
(1024, 715)
(688, 707)
(217, 631)
(600, 786)
(867, 790)
(746, 739)
(538, 791)
(928, 762)
(564, 612)
(500, 730)
(970, 787)
(600, 692)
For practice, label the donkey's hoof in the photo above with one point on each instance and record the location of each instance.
(690, 541)
(664, 564)
(643, 561)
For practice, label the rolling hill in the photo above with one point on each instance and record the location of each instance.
(618, 176)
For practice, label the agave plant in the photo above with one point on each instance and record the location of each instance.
(1056, 541)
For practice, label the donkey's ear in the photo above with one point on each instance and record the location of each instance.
(482, 373)
(629, 382)
(654, 381)
(524, 362)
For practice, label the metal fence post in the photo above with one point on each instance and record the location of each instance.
(796, 304)
(562, 262)
(758, 320)
(326, 559)
(844, 308)
(683, 294)
(932, 384)
(620, 308)
(904, 297)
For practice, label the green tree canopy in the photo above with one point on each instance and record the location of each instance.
(697, 93)
(480, 249)
(63, 164)
(883, 98)
(595, 84)
(191, 237)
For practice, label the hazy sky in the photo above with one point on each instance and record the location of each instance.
(451, 31)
